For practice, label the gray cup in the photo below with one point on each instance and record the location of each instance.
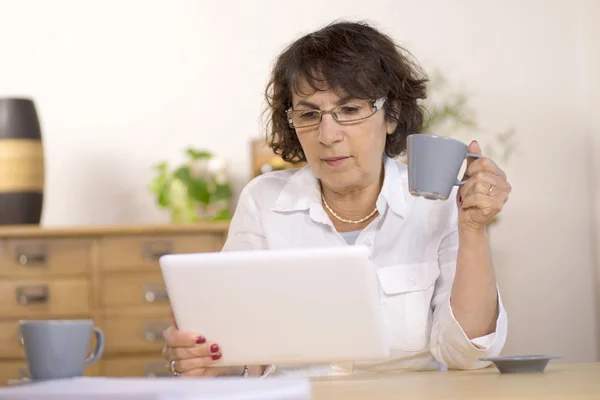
(58, 349)
(433, 165)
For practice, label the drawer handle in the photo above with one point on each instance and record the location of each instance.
(156, 369)
(153, 331)
(32, 258)
(154, 251)
(152, 294)
(32, 294)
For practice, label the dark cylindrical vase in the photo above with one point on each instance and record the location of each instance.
(21, 163)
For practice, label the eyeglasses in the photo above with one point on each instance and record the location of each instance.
(351, 112)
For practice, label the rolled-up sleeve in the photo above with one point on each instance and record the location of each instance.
(449, 344)
(245, 229)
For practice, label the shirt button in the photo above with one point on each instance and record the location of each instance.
(368, 242)
(412, 282)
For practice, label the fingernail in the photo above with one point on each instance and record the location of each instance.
(200, 339)
(216, 357)
(214, 348)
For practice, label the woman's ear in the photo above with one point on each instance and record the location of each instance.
(391, 121)
(390, 127)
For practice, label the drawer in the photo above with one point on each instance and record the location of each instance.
(131, 334)
(14, 370)
(44, 298)
(136, 366)
(137, 289)
(141, 253)
(10, 340)
(45, 257)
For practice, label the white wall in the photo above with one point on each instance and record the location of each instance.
(589, 30)
(121, 85)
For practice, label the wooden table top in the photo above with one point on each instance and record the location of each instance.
(559, 381)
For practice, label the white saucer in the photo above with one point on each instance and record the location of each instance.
(524, 363)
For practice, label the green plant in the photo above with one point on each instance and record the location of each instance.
(448, 112)
(197, 190)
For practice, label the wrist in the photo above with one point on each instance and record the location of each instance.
(469, 233)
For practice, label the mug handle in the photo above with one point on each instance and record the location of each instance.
(92, 358)
(472, 155)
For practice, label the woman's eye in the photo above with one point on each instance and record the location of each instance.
(308, 114)
(349, 109)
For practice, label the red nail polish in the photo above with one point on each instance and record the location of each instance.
(216, 357)
(200, 340)
(214, 348)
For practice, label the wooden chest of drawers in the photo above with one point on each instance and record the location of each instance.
(108, 274)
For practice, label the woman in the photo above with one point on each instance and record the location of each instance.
(344, 99)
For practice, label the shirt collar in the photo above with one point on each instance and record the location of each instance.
(303, 192)
(300, 192)
(395, 187)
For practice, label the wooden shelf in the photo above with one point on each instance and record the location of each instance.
(111, 230)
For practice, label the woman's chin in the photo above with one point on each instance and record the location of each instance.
(339, 180)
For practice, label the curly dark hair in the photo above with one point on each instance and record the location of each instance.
(353, 58)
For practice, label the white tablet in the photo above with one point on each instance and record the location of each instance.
(301, 306)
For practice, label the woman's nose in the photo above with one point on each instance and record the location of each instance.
(329, 130)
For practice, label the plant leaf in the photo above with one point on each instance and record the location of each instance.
(160, 185)
(161, 166)
(183, 174)
(161, 188)
(221, 192)
(197, 154)
(198, 190)
(223, 215)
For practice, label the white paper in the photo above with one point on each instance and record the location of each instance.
(229, 388)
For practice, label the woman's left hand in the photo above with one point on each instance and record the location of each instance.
(484, 194)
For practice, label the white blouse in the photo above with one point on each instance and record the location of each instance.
(413, 243)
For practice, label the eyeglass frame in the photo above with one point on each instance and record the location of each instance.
(377, 105)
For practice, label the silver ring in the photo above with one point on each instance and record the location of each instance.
(174, 372)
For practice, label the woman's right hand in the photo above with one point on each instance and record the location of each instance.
(191, 354)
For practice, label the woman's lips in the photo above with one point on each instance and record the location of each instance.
(334, 161)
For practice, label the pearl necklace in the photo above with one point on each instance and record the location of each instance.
(348, 221)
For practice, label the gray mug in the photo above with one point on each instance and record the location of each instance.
(58, 349)
(433, 165)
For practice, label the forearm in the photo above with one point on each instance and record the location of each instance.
(474, 297)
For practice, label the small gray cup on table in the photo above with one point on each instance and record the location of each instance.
(58, 349)
(433, 165)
